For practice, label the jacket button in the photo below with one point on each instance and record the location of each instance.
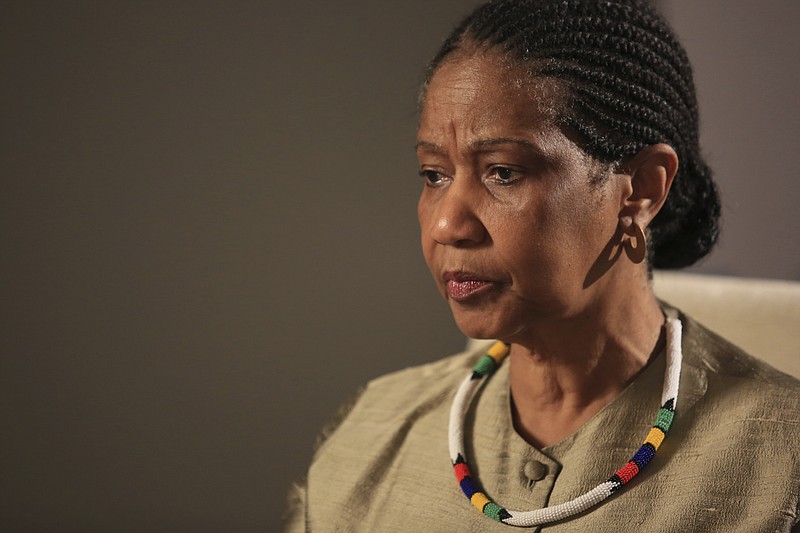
(534, 470)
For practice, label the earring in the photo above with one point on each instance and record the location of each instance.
(635, 253)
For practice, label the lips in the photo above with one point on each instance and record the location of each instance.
(462, 286)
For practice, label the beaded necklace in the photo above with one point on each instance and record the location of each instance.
(486, 367)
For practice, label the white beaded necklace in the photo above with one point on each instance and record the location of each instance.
(469, 485)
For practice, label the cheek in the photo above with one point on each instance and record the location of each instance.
(586, 225)
(424, 212)
(426, 241)
(548, 235)
(428, 252)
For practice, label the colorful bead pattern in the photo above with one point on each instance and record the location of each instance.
(470, 487)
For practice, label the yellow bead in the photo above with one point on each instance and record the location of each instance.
(479, 500)
(655, 437)
(498, 351)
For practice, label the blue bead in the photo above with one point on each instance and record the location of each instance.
(469, 487)
(643, 455)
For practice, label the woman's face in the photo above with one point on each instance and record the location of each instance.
(511, 220)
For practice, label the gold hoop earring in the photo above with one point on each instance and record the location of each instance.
(635, 253)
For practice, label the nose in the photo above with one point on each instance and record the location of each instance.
(456, 218)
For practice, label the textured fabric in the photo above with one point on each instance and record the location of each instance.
(731, 461)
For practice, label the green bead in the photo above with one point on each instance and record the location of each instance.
(664, 420)
(492, 510)
(485, 366)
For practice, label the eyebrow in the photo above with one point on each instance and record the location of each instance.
(480, 144)
(488, 143)
(429, 146)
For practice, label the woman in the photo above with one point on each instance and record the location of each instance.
(559, 148)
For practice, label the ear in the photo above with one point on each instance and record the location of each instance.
(651, 172)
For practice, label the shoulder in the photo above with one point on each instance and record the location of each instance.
(427, 379)
(400, 394)
(397, 425)
(721, 359)
(738, 387)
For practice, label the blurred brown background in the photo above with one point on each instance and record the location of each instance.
(208, 236)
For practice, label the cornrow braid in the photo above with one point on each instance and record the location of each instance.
(635, 82)
(630, 85)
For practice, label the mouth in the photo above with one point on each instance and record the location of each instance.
(462, 286)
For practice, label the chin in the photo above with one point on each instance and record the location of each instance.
(476, 326)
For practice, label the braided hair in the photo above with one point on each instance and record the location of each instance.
(630, 86)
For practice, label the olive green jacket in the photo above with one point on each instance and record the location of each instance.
(731, 461)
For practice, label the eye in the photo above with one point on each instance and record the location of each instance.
(503, 175)
(432, 177)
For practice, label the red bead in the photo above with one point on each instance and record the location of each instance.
(627, 472)
(461, 470)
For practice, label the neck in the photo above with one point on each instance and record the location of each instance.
(564, 371)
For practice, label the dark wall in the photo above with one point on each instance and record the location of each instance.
(208, 241)
(746, 69)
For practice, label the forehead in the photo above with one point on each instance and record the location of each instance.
(484, 92)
